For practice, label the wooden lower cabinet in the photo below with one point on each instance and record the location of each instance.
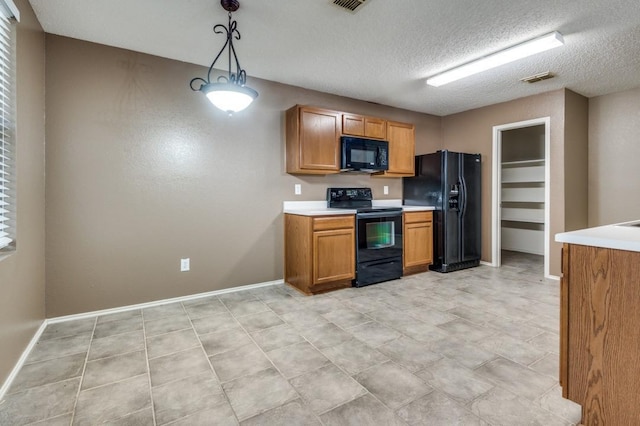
(417, 241)
(319, 252)
(600, 333)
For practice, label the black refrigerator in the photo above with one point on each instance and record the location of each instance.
(450, 181)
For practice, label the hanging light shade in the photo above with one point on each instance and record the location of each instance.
(227, 92)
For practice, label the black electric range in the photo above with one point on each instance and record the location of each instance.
(378, 235)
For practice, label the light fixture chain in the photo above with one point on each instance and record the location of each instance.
(230, 43)
(239, 77)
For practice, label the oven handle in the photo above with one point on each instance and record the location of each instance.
(377, 215)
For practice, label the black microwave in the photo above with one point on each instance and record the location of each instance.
(366, 155)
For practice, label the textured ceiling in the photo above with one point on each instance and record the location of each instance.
(384, 51)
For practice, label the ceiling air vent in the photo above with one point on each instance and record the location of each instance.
(538, 77)
(351, 5)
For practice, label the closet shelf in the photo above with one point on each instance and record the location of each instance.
(522, 215)
(529, 174)
(523, 162)
(523, 195)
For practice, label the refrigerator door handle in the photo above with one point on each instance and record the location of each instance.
(463, 196)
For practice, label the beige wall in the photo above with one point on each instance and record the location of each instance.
(576, 161)
(614, 153)
(472, 131)
(524, 143)
(141, 171)
(22, 273)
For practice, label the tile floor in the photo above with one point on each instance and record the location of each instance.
(473, 347)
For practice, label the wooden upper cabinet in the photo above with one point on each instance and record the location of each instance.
(375, 128)
(368, 127)
(352, 125)
(313, 140)
(402, 141)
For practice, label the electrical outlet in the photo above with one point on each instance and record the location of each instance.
(297, 189)
(385, 189)
(185, 265)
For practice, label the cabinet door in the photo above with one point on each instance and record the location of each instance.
(369, 127)
(333, 255)
(401, 138)
(352, 125)
(375, 128)
(418, 244)
(319, 139)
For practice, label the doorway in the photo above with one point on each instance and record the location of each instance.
(521, 176)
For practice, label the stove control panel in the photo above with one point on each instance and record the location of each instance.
(348, 198)
(349, 194)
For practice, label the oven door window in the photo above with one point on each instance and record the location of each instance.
(379, 238)
(380, 235)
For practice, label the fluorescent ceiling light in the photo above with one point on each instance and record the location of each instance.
(502, 57)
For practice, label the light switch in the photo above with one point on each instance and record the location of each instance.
(298, 189)
(385, 189)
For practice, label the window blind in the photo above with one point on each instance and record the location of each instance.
(7, 148)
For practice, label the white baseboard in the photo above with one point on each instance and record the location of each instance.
(23, 358)
(93, 314)
(551, 277)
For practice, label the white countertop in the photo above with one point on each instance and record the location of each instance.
(616, 236)
(417, 208)
(319, 208)
(319, 212)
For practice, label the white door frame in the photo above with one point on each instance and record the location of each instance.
(496, 198)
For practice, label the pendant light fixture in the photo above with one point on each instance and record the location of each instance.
(227, 92)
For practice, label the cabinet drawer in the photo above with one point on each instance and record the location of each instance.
(333, 222)
(413, 217)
